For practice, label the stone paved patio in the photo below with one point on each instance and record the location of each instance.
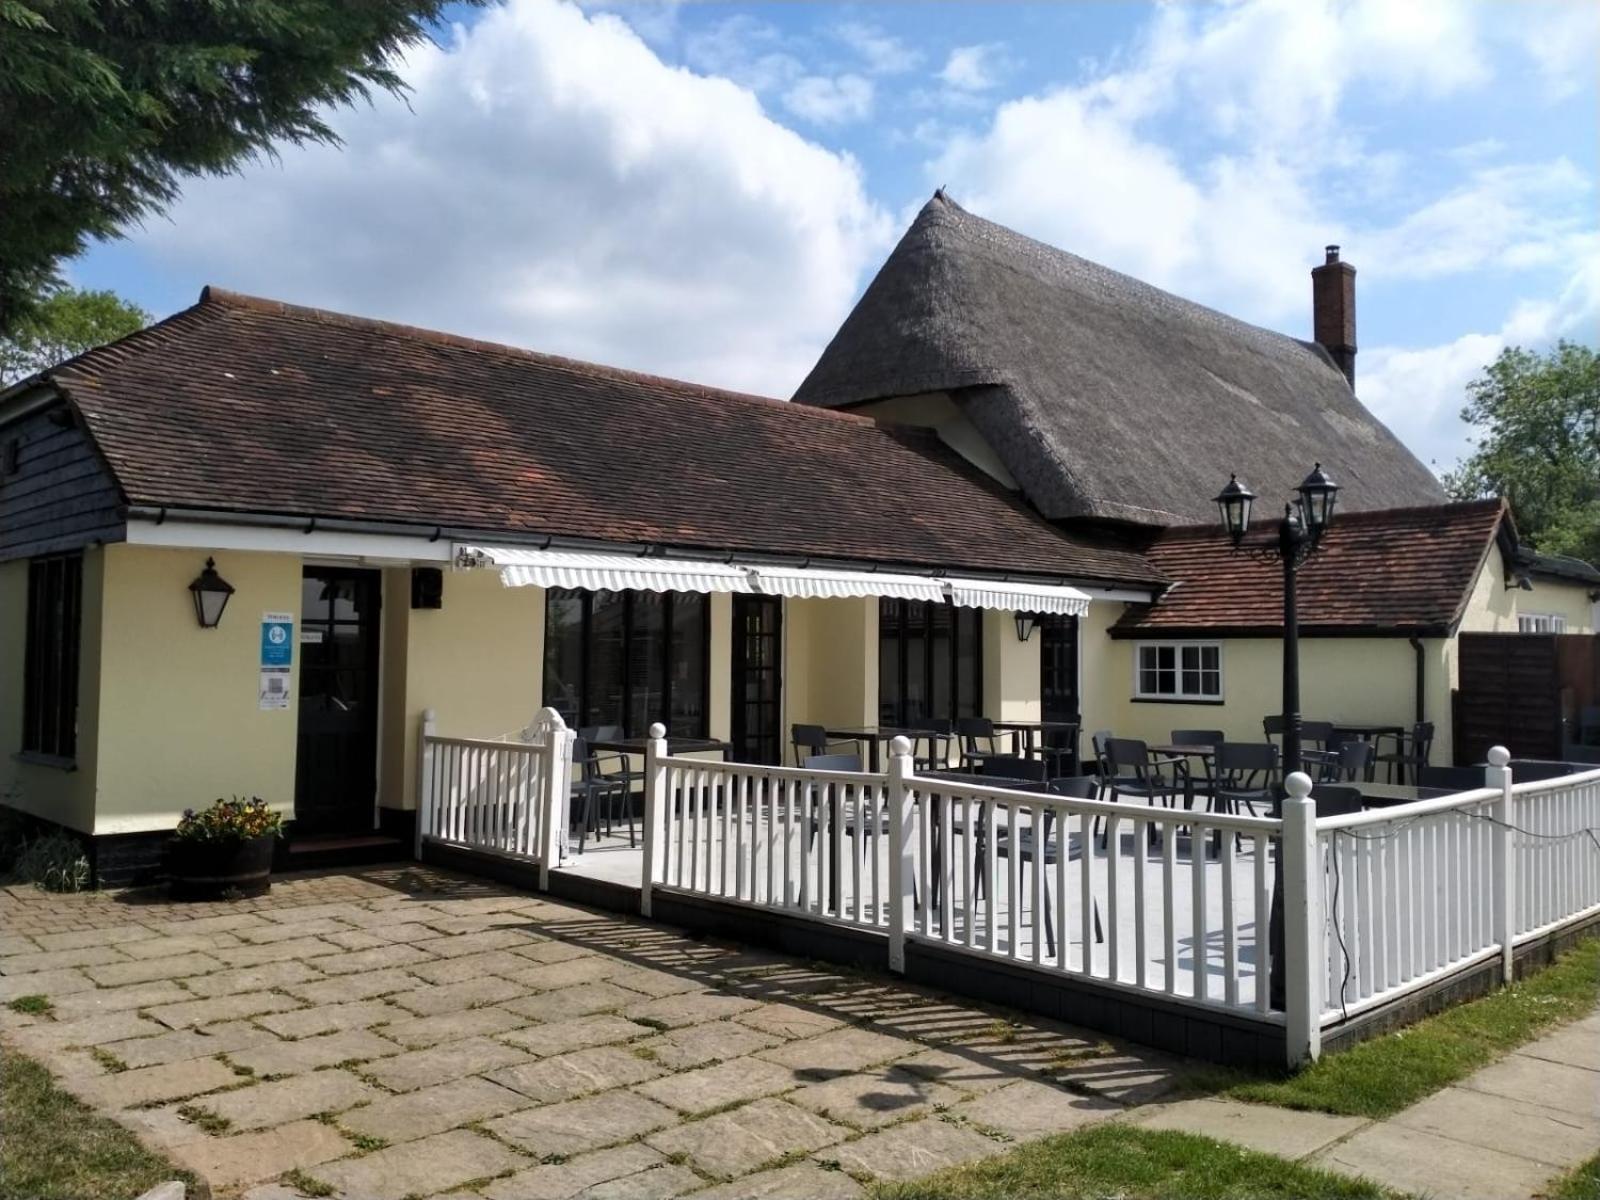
(404, 1032)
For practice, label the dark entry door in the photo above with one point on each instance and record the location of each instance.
(1058, 675)
(757, 679)
(336, 770)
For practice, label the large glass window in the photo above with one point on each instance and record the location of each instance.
(627, 659)
(930, 661)
(50, 672)
(1179, 671)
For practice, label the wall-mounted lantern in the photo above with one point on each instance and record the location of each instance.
(210, 592)
(1026, 624)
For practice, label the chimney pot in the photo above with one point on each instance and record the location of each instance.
(1333, 311)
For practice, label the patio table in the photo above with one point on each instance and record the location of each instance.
(872, 736)
(1032, 734)
(675, 745)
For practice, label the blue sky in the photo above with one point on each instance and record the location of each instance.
(703, 189)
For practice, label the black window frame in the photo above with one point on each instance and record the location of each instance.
(901, 629)
(668, 640)
(52, 657)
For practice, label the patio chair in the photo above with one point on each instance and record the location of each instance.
(1134, 771)
(1200, 770)
(978, 741)
(1197, 737)
(1246, 774)
(873, 824)
(1335, 801)
(593, 787)
(1352, 761)
(1098, 742)
(1410, 750)
(936, 733)
(1007, 767)
(1043, 852)
(811, 740)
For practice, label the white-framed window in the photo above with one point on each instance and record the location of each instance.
(1541, 623)
(1178, 671)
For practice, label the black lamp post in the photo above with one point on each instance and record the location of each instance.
(1300, 532)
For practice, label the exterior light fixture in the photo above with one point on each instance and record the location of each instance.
(1026, 624)
(210, 592)
(1317, 497)
(1234, 503)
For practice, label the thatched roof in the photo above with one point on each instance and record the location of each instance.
(1104, 396)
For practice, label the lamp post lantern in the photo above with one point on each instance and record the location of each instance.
(1300, 532)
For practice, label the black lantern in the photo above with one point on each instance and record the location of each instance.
(210, 592)
(1234, 502)
(1026, 624)
(1317, 497)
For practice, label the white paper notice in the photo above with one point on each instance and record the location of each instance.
(274, 688)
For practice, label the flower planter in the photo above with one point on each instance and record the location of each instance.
(207, 870)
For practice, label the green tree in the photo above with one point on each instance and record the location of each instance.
(65, 323)
(106, 107)
(1537, 442)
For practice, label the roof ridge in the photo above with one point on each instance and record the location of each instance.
(1494, 504)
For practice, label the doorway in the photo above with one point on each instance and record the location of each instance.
(1058, 678)
(757, 679)
(336, 766)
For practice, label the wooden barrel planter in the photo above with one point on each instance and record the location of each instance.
(209, 870)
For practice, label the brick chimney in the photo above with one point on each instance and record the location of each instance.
(1333, 311)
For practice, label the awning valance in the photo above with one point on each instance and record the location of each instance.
(522, 567)
(818, 581)
(1019, 597)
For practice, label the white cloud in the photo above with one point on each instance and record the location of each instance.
(552, 183)
(1563, 39)
(830, 100)
(973, 68)
(883, 53)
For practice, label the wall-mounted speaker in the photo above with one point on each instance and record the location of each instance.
(427, 587)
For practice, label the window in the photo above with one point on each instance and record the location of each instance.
(627, 659)
(930, 661)
(50, 673)
(1541, 623)
(1178, 671)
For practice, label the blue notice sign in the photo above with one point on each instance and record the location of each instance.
(277, 639)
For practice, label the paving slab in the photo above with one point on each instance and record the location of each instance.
(839, 1053)
(258, 955)
(1574, 1046)
(327, 1018)
(655, 1183)
(278, 1057)
(348, 988)
(1128, 1077)
(118, 999)
(568, 1076)
(699, 1045)
(183, 1044)
(1539, 1081)
(966, 1072)
(178, 966)
(1558, 1137)
(265, 1104)
(112, 935)
(45, 983)
(86, 1031)
(912, 1150)
(440, 1064)
(421, 1168)
(169, 947)
(171, 1081)
(362, 961)
(291, 931)
(222, 1008)
(652, 982)
(802, 1181)
(449, 997)
(578, 1125)
(55, 960)
(874, 1097)
(251, 979)
(578, 1001)
(1281, 1131)
(550, 952)
(550, 977)
(419, 1033)
(575, 1177)
(461, 945)
(225, 923)
(433, 1109)
(470, 966)
(252, 1157)
(745, 1139)
(1409, 1160)
(731, 1082)
(559, 1037)
(691, 1008)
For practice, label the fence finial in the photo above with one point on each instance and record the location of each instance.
(658, 730)
(901, 744)
(1298, 785)
(1499, 756)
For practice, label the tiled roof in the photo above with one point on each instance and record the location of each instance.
(1400, 569)
(251, 405)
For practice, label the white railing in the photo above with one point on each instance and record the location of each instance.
(504, 796)
(1557, 851)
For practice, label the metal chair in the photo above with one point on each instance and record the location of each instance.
(592, 784)
(812, 740)
(1411, 750)
(1203, 784)
(1334, 801)
(1246, 774)
(1352, 761)
(1005, 767)
(1134, 771)
(936, 732)
(1197, 737)
(832, 762)
(1044, 851)
(975, 730)
(1098, 741)
(872, 824)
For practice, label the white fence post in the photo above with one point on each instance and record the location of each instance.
(1504, 884)
(1303, 937)
(425, 797)
(554, 787)
(902, 866)
(655, 809)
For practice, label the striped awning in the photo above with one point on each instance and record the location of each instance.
(522, 567)
(818, 581)
(1019, 597)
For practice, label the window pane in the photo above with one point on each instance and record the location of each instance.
(889, 697)
(915, 706)
(563, 652)
(941, 695)
(969, 662)
(607, 659)
(646, 658)
(688, 665)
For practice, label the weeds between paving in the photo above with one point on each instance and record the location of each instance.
(1132, 1164)
(1580, 1184)
(1380, 1077)
(54, 1148)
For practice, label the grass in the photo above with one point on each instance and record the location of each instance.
(204, 1118)
(1581, 1184)
(1380, 1077)
(306, 1185)
(1113, 1159)
(55, 1148)
(33, 1006)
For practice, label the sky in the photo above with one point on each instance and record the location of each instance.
(702, 190)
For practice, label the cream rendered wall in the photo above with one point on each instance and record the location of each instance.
(179, 719)
(1010, 670)
(719, 688)
(830, 668)
(937, 411)
(478, 662)
(1101, 698)
(53, 793)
